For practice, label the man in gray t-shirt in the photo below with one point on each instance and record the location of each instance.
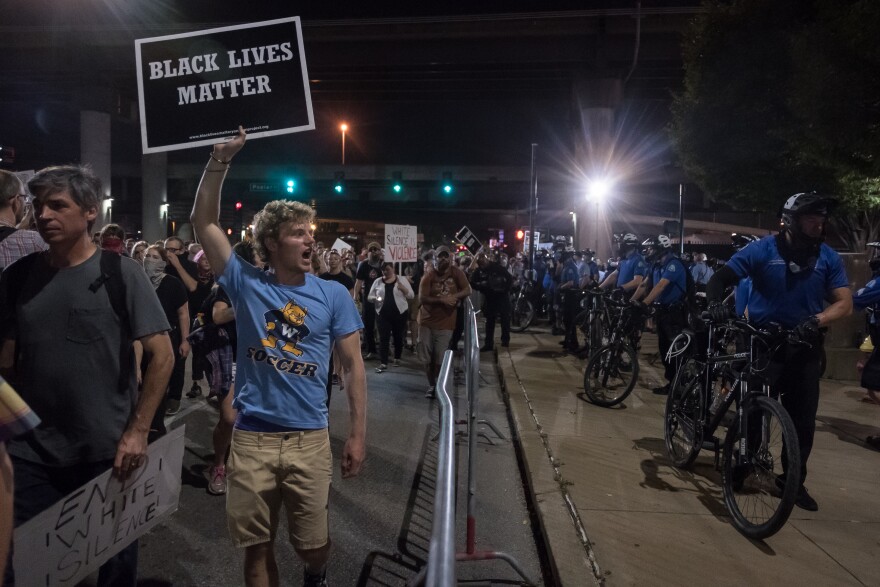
(67, 349)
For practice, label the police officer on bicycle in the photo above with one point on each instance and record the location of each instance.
(631, 268)
(668, 298)
(792, 274)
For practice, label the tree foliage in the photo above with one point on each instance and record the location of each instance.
(782, 96)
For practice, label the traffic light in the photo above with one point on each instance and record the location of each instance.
(396, 184)
(339, 182)
(290, 186)
(447, 183)
(7, 155)
(238, 206)
(520, 234)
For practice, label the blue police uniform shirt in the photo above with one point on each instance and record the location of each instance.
(569, 273)
(673, 270)
(589, 268)
(285, 333)
(869, 296)
(780, 295)
(741, 296)
(630, 266)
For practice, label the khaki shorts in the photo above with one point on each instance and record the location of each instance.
(268, 469)
(432, 345)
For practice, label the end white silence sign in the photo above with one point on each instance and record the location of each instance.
(74, 537)
(196, 88)
(401, 244)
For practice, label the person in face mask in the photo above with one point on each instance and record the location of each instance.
(793, 274)
(113, 239)
(173, 299)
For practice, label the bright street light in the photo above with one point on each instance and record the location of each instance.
(343, 127)
(599, 189)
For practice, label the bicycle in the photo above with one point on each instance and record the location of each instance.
(613, 369)
(522, 311)
(760, 457)
(596, 319)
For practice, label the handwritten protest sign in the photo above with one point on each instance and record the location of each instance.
(340, 246)
(196, 88)
(400, 243)
(74, 537)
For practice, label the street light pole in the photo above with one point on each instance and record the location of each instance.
(681, 219)
(343, 127)
(533, 208)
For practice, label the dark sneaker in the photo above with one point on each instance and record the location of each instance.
(369, 356)
(430, 393)
(194, 391)
(805, 502)
(381, 368)
(172, 407)
(316, 580)
(658, 390)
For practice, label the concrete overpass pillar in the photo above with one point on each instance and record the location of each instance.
(94, 148)
(154, 203)
(595, 103)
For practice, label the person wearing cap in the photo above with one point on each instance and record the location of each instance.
(368, 271)
(440, 292)
(588, 271)
(793, 274)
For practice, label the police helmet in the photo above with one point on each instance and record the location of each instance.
(874, 263)
(806, 203)
(740, 241)
(656, 246)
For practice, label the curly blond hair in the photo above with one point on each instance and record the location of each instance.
(268, 222)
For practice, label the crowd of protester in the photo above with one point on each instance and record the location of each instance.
(172, 300)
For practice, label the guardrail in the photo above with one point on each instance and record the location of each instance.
(442, 557)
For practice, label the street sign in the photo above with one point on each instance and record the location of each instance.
(469, 240)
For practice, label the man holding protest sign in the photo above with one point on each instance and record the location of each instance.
(68, 317)
(287, 320)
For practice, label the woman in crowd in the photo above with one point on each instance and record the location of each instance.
(138, 250)
(173, 298)
(197, 297)
(390, 294)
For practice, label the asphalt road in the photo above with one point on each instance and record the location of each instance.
(381, 520)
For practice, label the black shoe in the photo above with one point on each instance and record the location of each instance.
(661, 390)
(194, 391)
(318, 580)
(805, 502)
(487, 349)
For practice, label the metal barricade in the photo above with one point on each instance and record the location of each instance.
(442, 557)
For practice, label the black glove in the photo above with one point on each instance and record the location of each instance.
(718, 312)
(808, 330)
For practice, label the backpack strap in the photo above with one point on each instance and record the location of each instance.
(111, 279)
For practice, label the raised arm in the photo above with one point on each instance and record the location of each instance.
(205, 216)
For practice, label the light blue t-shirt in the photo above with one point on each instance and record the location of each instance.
(673, 270)
(285, 333)
(780, 295)
(630, 266)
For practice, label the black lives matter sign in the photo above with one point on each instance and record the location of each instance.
(196, 88)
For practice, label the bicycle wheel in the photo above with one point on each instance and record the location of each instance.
(684, 415)
(758, 492)
(522, 314)
(611, 375)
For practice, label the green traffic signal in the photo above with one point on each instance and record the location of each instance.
(291, 186)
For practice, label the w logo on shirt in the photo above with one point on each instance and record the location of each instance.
(286, 327)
